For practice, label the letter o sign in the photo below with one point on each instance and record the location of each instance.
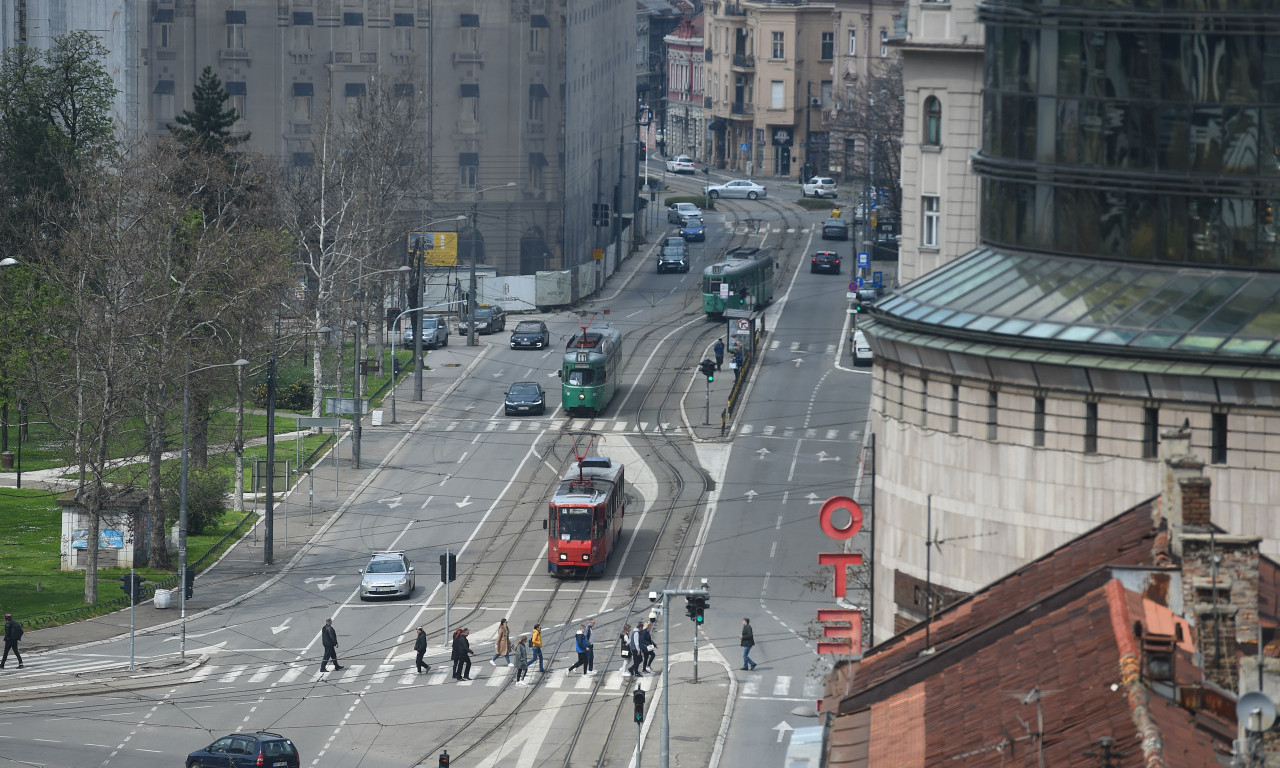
(833, 505)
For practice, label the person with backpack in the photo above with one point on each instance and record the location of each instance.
(580, 646)
(12, 634)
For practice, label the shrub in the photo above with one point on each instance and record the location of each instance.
(295, 395)
(207, 491)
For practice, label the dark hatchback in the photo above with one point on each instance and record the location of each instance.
(530, 334)
(674, 259)
(525, 397)
(694, 230)
(825, 261)
(241, 750)
(835, 229)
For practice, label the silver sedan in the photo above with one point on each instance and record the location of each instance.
(736, 188)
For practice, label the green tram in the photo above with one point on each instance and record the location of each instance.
(590, 370)
(749, 273)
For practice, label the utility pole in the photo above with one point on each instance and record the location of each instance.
(416, 323)
(471, 292)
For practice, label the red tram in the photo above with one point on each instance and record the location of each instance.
(584, 522)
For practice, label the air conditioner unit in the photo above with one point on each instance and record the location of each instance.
(816, 101)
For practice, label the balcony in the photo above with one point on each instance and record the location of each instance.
(233, 54)
(535, 128)
(734, 9)
(744, 61)
(468, 57)
(741, 108)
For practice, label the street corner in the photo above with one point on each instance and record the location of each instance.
(58, 675)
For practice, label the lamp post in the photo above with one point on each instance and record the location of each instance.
(418, 347)
(419, 289)
(471, 292)
(357, 400)
(182, 493)
(9, 261)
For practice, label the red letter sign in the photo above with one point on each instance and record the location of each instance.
(851, 642)
(829, 508)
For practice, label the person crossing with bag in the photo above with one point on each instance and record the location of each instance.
(637, 655)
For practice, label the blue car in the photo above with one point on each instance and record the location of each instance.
(693, 230)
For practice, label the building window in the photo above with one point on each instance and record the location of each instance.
(1150, 432)
(538, 27)
(468, 169)
(302, 23)
(469, 25)
(828, 46)
(931, 211)
(933, 122)
(354, 94)
(164, 28)
(1037, 424)
(302, 160)
(164, 99)
(955, 408)
(353, 30)
(884, 42)
(853, 42)
(537, 166)
(537, 102)
(469, 108)
(777, 94)
(404, 31)
(993, 415)
(779, 49)
(1218, 446)
(1090, 427)
(235, 30)
(402, 92)
(302, 93)
(902, 395)
(236, 89)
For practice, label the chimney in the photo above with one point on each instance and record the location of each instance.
(1175, 444)
(1194, 493)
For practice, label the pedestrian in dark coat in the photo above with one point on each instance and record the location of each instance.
(580, 645)
(719, 350)
(748, 642)
(590, 634)
(522, 659)
(462, 654)
(637, 655)
(646, 645)
(12, 634)
(738, 360)
(329, 639)
(420, 645)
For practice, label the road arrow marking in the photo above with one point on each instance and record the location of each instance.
(783, 728)
(798, 360)
(202, 634)
(323, 584)
(763, 452)
(466, 500)
(281, 627)
(391, 503)
(822, 456)
(751, 496)
(813, 499)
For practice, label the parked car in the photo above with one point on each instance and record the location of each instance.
(490, 318)
(861, 349)
(818, 186)
(736, 188)
(525, 397)
(678, 213)
(435, 333)
(681, 164)
(530, 334)
(693, 230)
(674, 258)
(835, 229)
(388, 574)
(246, 750)
(825, 261)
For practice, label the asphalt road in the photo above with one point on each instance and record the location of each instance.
(469, 480)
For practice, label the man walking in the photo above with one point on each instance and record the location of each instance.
(591, 646)
(637, 653)
(12, 634)
(646, 644)
(737, 363)
(536, 644)
(748, 642)
(462, 655)
(580, 646)
(329, 639)
(420, 645)
(719, 350)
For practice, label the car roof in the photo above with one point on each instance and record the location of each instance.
(526, 384)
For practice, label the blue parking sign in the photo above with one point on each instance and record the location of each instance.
(864, 260)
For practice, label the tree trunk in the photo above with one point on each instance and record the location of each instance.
(199, 438)
(239, 440)
(156, 439)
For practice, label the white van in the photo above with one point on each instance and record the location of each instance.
(861, 349)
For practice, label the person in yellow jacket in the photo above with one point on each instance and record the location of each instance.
(536, 643)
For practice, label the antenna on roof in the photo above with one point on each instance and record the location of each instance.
(929, 544)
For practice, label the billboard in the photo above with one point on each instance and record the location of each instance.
(438, 249)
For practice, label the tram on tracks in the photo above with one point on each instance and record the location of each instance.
(590, 370)
(749, 273)
(584, 520)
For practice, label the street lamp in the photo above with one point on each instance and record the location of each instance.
(471, 294)
(182, 492)
(417, 345)
(357, 401)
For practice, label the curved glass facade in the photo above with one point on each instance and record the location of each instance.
(1141, 130)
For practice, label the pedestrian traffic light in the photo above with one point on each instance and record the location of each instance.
(190, 585)
(708, 369)
(638, 698)
(448, 572)
(444, 759)
(131, 583)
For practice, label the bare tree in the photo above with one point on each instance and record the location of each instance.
(874, 122)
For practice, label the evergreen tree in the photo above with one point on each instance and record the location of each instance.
(207, 127)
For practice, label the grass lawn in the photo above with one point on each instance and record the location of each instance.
(32, 587)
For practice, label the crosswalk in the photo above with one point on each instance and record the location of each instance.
(752, 684)
(631, 427)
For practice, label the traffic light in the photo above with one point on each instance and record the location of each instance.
(190, 586)
(708, 369)
(690, 608)
(700, 605)
(638, 698)
(600, 214)
(444, 759)
(131, 583)
(448, 572)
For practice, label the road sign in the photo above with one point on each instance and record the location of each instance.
(597, 254)
(877, 278)
(864, 260)
(744, 147)
(853, 286)
(744, 325)
(858, 280)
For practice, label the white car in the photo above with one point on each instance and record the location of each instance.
(679, 213)
(818, 186)
(388, 574)
(861, 349)
(681, 164)
(736, 188)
